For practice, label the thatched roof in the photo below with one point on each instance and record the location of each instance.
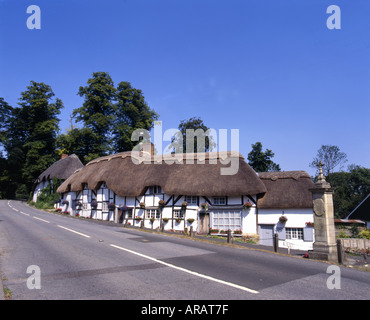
(128, 179)
(286, 189)
(61, 169)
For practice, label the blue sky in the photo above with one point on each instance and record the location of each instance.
(271, 69)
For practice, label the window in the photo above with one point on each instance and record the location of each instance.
(129, 214)
(191, 199)
(224, 220)
(154, 190)
(294, 233)
(178, 214)
(219, 200)
(105, 207)
(152, 213)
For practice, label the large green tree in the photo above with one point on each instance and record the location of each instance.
(5, 115)
(193, 136)
(108, 115)
(80, 141)
(350, 188)
(31, 135)
(131, 113)
(260, 160)
(331, 157)
(97, 111)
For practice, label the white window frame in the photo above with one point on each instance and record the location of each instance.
(130, 214)
(219, 200)
(294, 233)
(152, 213)
(104, 207)
(191, 199)
(154, 190)
(178, 214)
(227, 219)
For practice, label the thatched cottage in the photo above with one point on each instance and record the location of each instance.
(286, 209)
(60, 169)
(182, 194)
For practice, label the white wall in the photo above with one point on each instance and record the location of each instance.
(38, 189)
(297, 218)
(249, 220)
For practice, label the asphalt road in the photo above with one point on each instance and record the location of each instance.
(83, 259)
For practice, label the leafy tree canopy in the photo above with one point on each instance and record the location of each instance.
(350, 188)
(261, 161)
(193, 136)
(29, 141)
(331, 157)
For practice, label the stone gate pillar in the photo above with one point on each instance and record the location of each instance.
(324, 247)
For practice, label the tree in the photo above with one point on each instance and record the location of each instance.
(97, 111)
(193, 134)
(109, 116)
(261, 161)
(131, 113)
(331, 157)
(31, 135)
(5, 114)
(350, 188)
(80, 141)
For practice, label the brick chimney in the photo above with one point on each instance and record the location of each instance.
(64, 156)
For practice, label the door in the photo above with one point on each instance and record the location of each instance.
(121, 216)
(204, 223)
(266, 233)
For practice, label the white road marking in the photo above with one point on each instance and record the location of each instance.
(41, 219)
(26, 214)
(81, 234)
(187, 271)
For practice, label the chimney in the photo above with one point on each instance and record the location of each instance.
(64, 156)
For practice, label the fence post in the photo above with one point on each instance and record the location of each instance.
(191, 231)
(276, 242)
(228, 236)
(340, 251)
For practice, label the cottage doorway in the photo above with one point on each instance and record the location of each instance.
(204, 223)
(266, 233)
(121, 215)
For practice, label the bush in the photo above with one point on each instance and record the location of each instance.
(48, 196)
(365, 234)
(342, 234)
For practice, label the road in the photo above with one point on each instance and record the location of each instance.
(83, 259)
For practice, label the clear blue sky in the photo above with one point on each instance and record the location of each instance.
(270, 68)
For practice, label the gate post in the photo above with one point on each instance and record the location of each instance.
(340, 251)
(276, 242)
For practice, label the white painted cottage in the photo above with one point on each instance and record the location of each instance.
(181, 195)
(286, 209)
(60, 169)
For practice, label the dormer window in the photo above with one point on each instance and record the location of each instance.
(219, 200)
(154, 190)
(191, 199)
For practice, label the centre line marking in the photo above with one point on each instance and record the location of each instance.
(81, 234)
(40, 219)
(230, 284)
(26, 214)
